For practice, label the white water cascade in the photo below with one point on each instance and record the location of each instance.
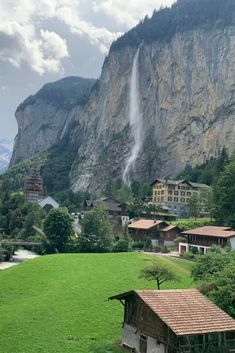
(135, 118)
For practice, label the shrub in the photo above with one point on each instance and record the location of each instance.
(6, 251)
(188, 256)
(137, 245)
(121, 246)
(165, 250)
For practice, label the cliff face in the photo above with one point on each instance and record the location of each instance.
(186, 101)
(172, 104)
(43, 118)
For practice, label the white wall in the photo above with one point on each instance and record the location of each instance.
(131, 337)
(232, 243)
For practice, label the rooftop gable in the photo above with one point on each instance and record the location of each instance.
(145, 224)
(212, 231)
(186, 312)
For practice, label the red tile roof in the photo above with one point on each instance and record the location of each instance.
(186, 312)
(144, 224)
(212, 231)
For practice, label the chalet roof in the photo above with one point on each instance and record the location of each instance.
(186, 312)
(212, 231)
(144, 224)
(48, 201)
(168, 228)
(177, 182)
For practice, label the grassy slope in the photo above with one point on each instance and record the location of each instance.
(59, 303)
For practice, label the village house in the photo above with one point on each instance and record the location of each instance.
(160, 232)
(174, 321)
(111, 205)
(203, 238)
(175, 194)
(48, 203)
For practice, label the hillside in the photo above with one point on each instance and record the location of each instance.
(59, 303)
(165, 100)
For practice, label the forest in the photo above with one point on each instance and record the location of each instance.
(184, 15)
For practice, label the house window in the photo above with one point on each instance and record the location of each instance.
(176, 193)
(169, 198)
(182, 193)
(182, 187)
(176, 199)
(162, 192)
(170, 192)
(182, 199)
(188, 193)
(143, 344)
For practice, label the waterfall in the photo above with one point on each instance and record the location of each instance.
(135, 118)
(65, 126)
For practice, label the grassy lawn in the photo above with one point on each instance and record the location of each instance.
(58, 303)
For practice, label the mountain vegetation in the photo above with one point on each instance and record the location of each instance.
(65, 93)
(184, 15)
(207, 172)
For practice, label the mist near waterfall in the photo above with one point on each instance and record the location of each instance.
(135, 119)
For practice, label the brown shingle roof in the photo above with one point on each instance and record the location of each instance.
(144, 224)
(212, 231)
(186, 312)
(170, 227)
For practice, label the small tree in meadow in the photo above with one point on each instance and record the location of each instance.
(158, 273)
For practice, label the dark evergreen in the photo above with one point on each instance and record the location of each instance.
(184, 15)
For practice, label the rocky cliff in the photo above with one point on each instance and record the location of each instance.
(43, 118)
(187, 104)
(159, 105)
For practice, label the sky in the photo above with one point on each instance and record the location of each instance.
(45, 40)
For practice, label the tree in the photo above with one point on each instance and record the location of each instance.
(58, 229)
(209, 264)
(215, 275)
(159, 274)
(206, 200)
(224, 195)
(97, 232)
(194, 205)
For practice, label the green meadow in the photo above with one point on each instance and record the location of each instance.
(58, 303)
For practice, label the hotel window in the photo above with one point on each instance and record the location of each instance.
(169, 192)
(162, 198)
(176, 193)
(182, 187)
(187, 200)
(182, 193)
(155, 193)
(187, 188)
(176, 199)
(178, 187)
(162, 192)
(169, 198)
(155, 199)
(188, 193)
(182, 199)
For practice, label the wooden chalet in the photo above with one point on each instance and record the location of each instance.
(160, 232)
(174, 321)
(203, 238)
(112, 206)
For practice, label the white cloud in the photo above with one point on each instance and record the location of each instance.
(24, 37)
(128, 12)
